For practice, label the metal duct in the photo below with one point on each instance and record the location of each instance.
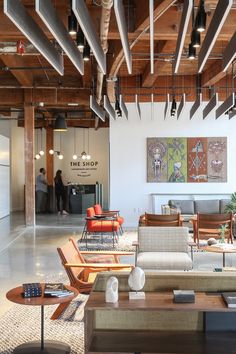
(20, 17)
(48, 14)
(81, 12)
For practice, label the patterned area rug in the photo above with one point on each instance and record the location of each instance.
(22, 324)
(106, 243)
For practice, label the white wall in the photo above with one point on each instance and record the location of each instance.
(4, 176)
(96, 169)
(129, 190)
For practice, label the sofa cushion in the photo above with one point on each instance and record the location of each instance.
(163, 239)
(207, 206)
(164, 261)
(223, 203)
(185, 206)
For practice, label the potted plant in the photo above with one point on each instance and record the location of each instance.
(223, 229)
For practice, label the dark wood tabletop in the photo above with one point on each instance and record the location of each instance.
(15, 295)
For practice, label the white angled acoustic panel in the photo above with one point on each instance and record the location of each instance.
(211, 105)
(123, 108)
(48, 14)
(137, 106)
(182, 106)
(81, 12)
(167, 106)
(196, 106)
(108, 107)
(96, 108)
(226, 105)
(25, 23)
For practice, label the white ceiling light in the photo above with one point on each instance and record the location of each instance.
(81, 12)
(20, 17)
(123, 108)
(217, 21)
(108, 107)
(137, 106)
(196, 106)
(187, 10)
(151, 17)
(48, 14)
(182, 106)
(211, 105)
(229, 53)
(96, 108)
(120, 18)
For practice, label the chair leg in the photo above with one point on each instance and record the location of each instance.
(122, 231)
(59, 310)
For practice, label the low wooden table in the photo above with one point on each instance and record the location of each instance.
(42, 347)
(221, 249)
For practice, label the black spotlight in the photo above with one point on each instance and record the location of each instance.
(80, 39)
(86, 52)
(200, 23)
(72, 24)
(191, 52)
(173, 107)
(60, 124)
(117, 108)
(195, 38)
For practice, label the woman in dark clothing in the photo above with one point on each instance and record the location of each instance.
(60, 191)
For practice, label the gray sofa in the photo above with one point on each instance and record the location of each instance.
(188, 208)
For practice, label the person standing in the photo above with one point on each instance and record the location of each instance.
(41, 191)
(60, 191)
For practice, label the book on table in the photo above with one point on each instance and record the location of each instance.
(56, 290)
(230, 299)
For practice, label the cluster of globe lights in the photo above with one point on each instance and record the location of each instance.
(39, 154)
(83, 156)
(59, 155)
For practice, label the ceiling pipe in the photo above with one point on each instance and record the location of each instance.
(104, 29)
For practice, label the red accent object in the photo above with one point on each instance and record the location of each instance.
(100, 225)
(20, 47)
(98, 210)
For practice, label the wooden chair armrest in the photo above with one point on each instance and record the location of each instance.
(98, 265)
(115, 253)
(135, 243)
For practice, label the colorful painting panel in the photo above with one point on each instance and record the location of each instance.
(177, 159)
(197, 160)
(217, 159)
(156, 160)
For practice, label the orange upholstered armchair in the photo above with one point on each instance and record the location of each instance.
(98, 211)
(98, 225)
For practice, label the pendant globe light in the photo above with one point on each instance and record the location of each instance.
(60, 124)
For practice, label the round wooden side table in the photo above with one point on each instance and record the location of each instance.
(42, 346)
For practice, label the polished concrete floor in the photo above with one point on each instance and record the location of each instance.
(29, 254)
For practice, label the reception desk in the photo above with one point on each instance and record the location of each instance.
(83, 196)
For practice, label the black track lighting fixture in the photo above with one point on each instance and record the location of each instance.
(117, 108)
(195, 38)
(80, 39)
(191, 52)
(60, 124)
(86, 51)
(173, 107)
(72, 24)
(200, 23)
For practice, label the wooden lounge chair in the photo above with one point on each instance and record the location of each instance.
(83, 266)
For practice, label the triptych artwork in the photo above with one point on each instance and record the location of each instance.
(194, 160)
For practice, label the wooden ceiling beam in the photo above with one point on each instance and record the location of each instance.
(213, 74)
(148, 79)
(15, 96)
(24, 77)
